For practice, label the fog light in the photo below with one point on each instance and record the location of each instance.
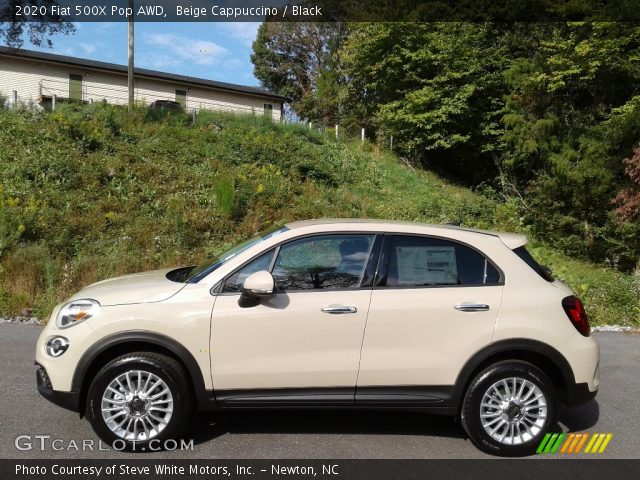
(56, 346)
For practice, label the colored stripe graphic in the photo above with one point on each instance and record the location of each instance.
(551, 442)
(596, 447)
(594, 437)
(572, 443)
(606, 442)
(544, 441)
(582, 442)
(556, 445)
(571, 438)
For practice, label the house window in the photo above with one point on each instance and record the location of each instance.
(181, 98)
(75, 87)
(268, 110)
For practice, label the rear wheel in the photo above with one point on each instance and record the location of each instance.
(139, 398)
(508, 408)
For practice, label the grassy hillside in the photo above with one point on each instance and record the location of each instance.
(89, 192)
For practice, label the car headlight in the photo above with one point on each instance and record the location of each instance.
(77, 311)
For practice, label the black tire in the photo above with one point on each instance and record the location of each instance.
(471, 408)
(165, 368)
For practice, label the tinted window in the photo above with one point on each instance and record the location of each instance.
(524, 254)
(235, 282)
(322, 262)
(420, 261)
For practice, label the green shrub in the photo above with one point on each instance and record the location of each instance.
(224, 194)
(89, 192)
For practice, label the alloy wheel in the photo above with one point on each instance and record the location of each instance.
(137, 405)
(513, 411)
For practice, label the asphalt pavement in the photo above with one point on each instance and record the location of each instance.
(38, 423)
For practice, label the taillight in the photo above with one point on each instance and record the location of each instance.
(575, 311)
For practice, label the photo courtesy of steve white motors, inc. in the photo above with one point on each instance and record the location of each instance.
(172, 470)
(261, 239)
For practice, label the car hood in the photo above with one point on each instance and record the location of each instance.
(145, 287)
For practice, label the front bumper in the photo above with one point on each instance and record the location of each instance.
(69, 400)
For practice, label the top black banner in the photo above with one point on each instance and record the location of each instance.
(503, 11)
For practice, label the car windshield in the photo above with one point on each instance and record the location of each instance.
(195, 274)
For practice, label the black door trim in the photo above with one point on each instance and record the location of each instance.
(429, 399)
(285, 397)
(411, 395)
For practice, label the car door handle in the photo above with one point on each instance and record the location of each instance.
(472, 307)
(339, 309)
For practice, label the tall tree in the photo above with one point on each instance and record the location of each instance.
(628, 199)
(38, 29)
(543, 112)
(437, 88)
(299, 60)
(572, 115)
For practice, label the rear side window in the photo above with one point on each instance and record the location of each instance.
(524, 254)
(415, 261)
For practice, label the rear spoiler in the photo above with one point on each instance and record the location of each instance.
(513, 240)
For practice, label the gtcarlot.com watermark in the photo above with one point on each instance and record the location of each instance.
(49, 443)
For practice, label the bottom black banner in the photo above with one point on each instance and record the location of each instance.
(207, 469)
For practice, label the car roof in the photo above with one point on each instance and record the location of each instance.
(511, 240)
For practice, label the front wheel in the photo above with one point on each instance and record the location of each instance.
(508, 408)
(139, 400)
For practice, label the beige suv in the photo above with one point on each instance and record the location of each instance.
(329, 313)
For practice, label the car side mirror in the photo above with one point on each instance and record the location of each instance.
(258, 284)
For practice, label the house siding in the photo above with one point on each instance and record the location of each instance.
(35, 80)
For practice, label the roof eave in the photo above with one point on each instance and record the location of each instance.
(121, 69)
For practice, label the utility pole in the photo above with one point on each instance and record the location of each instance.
(130, 69)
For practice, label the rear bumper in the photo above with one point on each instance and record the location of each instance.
(68, 400)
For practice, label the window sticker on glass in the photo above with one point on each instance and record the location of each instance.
(441, 265)
(423, 265)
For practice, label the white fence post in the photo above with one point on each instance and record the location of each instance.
(391, 146)
(310, 126)
(53, 102)
(14, 98)
(336, 131)
(362, 136)
(193, 115)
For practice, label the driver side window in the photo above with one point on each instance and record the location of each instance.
(322, 262)
(235, 282)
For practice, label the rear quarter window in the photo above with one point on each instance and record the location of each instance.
(543, 271)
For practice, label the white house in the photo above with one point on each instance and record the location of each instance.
(38, 76)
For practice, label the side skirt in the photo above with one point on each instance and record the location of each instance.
(437, 399)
